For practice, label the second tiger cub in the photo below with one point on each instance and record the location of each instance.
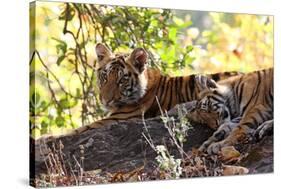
(238, 107)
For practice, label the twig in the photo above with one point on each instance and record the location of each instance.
(148, 139)
(80, 168)
(171, 133)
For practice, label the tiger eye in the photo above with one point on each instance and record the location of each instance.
(215, 92)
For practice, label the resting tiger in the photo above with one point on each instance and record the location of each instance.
(128, 89)
(240, 106)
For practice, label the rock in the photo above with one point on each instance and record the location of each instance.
(259, 156)
(113, 148)
(122, 148)
(234, 170)
(229, 154)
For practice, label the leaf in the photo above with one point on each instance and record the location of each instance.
(67, 103)
(59, 121)
(61, 47)
(188, 49)
(178, 21)
(67, 14)
(44, 124)
(145, 27)
(35, 100)
(60, 59)
(64, 103)
(173, 34)
(43, 105)
(78, 92)
(189, 60)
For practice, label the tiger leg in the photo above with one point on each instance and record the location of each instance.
(245, 128)
(222, 132)
(264, 129)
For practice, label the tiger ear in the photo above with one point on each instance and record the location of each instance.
(139, 58)
(212, 84)
(102, 52)
(205, 83)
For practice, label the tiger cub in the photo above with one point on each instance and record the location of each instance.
(128, 89)
(239, 107)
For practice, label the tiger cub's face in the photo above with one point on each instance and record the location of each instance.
(121, 78)
(211, 107)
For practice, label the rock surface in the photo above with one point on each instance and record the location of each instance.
(122, 147)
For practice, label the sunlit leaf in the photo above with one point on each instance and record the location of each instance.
(60, 121)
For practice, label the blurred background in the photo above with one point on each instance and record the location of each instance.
(63, 94)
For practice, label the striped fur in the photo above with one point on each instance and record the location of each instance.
(247, 98)
(128, 89)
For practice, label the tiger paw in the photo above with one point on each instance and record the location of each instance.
(203, 147)
(217, 136)
(229, 154)
(215, 148)
(264, 129)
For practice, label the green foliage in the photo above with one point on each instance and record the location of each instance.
(61, 48)
(167, 163)
(63, 92)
